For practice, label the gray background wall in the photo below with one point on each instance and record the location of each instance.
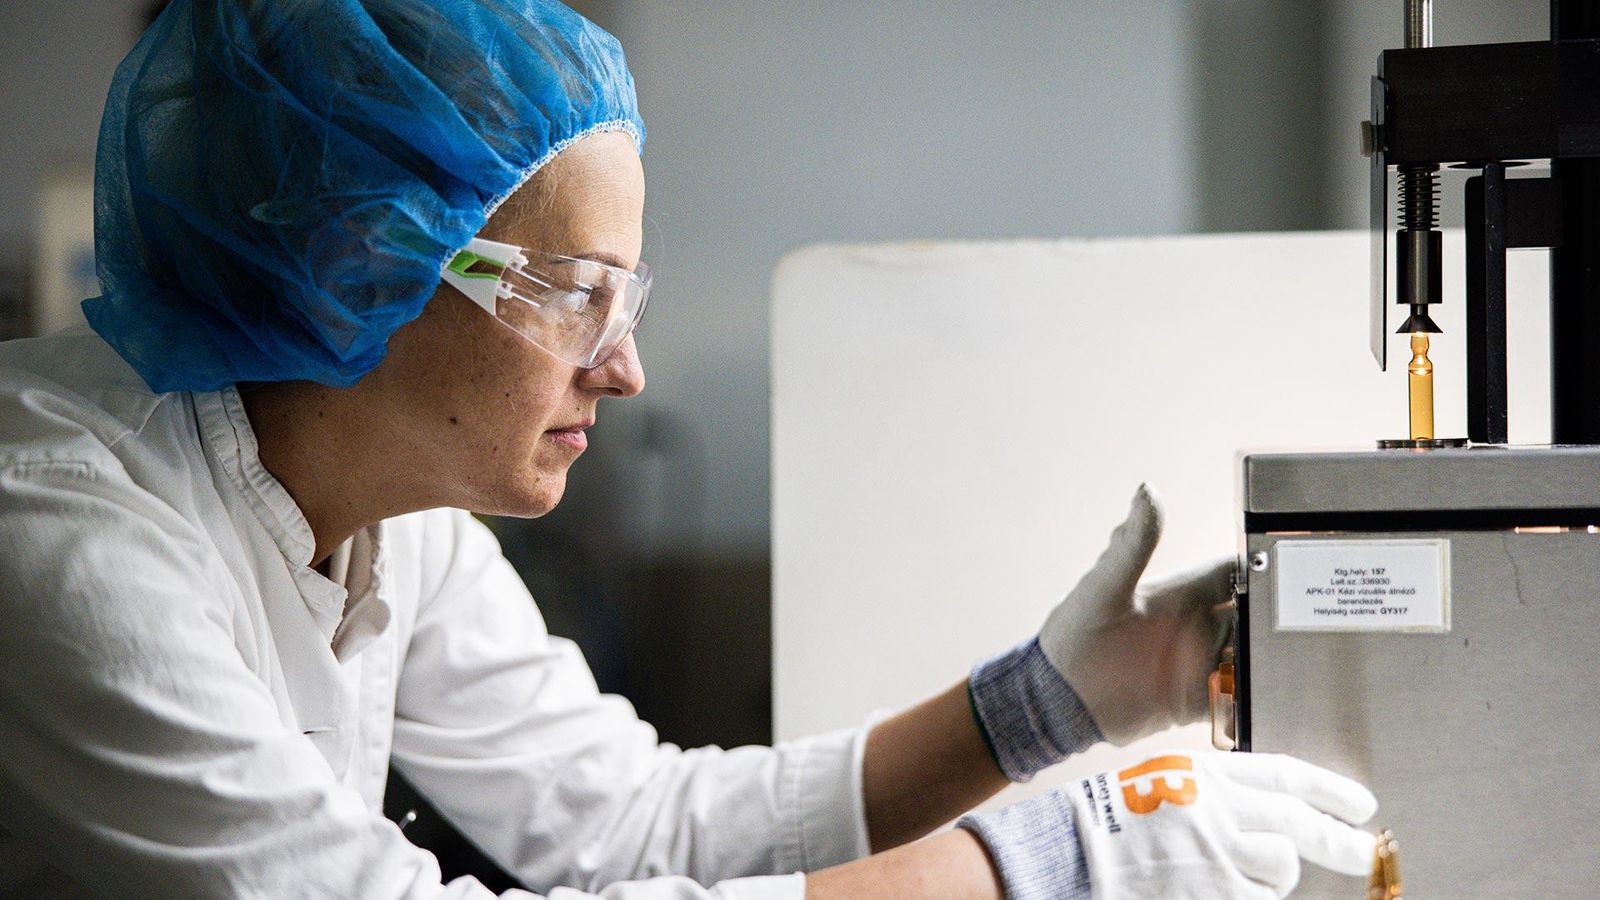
(776, 125)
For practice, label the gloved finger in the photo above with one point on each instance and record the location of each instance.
(1327, 791)
(1116, 573)
(1268, 858)
(1318, 837)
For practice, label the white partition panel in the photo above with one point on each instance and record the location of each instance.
(957, 427)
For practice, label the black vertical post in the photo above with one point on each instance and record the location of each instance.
(1486, 306)
(1575, 270)
(1241, 673)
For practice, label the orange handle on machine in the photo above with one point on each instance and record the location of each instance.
(1224, 711)
(1385, 881)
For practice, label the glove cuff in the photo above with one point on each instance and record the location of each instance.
(1028, 714)
(1034, 845)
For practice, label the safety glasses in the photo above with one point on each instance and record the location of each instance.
(578, 310)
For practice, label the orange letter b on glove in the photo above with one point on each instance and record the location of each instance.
(1161, 789)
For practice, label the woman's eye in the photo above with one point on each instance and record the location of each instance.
(573, 300)
(563, 302)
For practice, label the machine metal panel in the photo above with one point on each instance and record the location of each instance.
(1481, 742)
(1474, 478)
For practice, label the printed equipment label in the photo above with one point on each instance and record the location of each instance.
(1399, 585)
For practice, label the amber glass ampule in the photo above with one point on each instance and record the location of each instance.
(1385, 882)
(1421, 383)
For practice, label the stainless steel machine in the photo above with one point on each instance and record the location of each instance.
(1429, 623)
(1425, 615)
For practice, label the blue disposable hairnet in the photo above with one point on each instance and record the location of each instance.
(279, 182)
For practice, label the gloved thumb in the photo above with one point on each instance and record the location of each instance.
(1116, 573)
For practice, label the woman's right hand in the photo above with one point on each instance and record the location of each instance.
(1182, 824)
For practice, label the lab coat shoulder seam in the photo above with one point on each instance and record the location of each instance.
(110, 415)
(103, 477)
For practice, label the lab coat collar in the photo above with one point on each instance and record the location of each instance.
(225, 427)
(317, 637)
(351, 613)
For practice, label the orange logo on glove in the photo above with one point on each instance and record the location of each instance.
(1161, 790)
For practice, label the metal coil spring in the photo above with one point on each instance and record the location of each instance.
(1419, 199)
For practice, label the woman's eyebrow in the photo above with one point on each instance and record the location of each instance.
(603, 256)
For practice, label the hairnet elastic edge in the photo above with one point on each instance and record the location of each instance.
(625, 125)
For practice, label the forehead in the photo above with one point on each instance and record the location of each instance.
(589, 198)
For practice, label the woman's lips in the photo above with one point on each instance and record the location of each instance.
(573, 438)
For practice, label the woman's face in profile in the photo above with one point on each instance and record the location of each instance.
(502, 419)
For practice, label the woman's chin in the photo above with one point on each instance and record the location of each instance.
(535, 504)
(526, 498)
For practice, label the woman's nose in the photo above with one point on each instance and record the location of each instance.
(620, 376)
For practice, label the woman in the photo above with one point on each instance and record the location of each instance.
(369, 265)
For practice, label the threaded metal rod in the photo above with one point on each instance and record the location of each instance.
(1419, 186)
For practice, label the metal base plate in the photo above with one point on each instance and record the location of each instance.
(1421, 444)
(1477, 477)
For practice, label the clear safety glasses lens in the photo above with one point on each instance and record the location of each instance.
(578, 310)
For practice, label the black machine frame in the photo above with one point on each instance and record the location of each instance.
(1489, 107)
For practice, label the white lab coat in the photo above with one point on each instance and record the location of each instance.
(187, 709)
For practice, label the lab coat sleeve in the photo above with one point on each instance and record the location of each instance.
(140, 755)
(502, 727)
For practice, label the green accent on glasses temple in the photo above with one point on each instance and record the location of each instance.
(466, 259)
